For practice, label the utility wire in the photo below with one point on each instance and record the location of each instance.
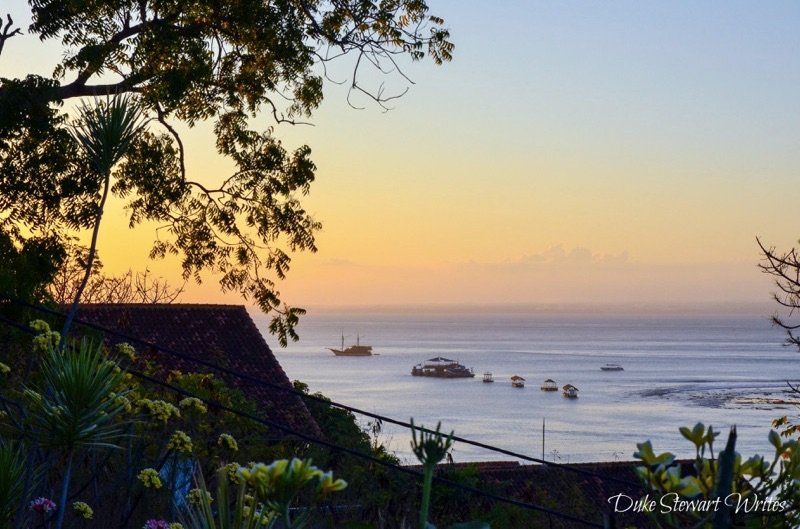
(265, 383)
(315, 440)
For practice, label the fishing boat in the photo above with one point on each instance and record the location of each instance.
(549, 385)
(570, 391)
(611, 367)
(441, 367)
(353, 350)
(487, 377)
(517, 381)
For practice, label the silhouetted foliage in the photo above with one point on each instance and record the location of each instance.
(188, 62)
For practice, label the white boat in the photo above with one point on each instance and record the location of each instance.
(611, 367)
(487, 377)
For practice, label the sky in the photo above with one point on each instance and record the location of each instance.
(572, 152)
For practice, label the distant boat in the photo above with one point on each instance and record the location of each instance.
(487, 377)
(517, 381)
(611, 367)
(353, 350)
(549, 385)
(441, 367)
(570, 391)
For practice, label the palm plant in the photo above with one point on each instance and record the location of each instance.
(12, 469)
(78, 406)
(105, 132)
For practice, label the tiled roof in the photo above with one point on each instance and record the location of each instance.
(223, 335)
(581, 495)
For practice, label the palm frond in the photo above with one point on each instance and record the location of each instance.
(79, 401)
(107, 129)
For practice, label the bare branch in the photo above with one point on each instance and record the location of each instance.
(162, 118)
(8, 32)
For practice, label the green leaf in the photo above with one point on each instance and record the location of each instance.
(775, 440)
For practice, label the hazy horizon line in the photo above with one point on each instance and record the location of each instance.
(766, 308)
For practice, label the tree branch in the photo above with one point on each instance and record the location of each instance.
(8, 32)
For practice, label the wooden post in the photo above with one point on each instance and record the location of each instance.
(542, 438)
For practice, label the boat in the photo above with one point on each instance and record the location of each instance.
(611, 367)
(517, 381)
(353, 350)
(570, 391)
(441, 367)
(549, 385)
(487, 377)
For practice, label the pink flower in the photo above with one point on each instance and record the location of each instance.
(155, 524)
(43, 505)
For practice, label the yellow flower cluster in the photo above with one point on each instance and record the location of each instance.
(150, 478)
(121, 400)
(126, 350)
(159, 409)
(181, 442)
(283, 474)
(195, 496)
(227, 441)
(46, 339)
(83, 510)
(232, 469)
(193, 403)
(4, 369)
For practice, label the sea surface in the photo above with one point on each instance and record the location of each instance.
(722, 369)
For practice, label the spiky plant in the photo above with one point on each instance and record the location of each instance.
(105, 133)
(77, 406)
(12, 469)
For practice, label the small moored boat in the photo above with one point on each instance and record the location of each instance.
(570, 391)
(517, 381)
(549, 385)
(487, 377)
(611, 367)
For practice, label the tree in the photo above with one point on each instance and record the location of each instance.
(785, 269)
(105, 133)
(188, 62)
(129, 287)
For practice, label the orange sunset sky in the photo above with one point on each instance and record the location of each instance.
(572, 152)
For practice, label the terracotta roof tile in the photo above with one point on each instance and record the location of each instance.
(221, 334)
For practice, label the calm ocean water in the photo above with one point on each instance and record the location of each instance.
(679, 369)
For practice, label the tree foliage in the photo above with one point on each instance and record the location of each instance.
(784, 267)
(191, 61)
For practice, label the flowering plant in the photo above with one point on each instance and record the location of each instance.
(43, 505)
(83, 510)
(264, 497)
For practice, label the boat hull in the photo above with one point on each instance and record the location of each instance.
(438, 372)
(356, 350)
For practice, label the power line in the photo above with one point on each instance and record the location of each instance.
(315, 440)
(352, 409)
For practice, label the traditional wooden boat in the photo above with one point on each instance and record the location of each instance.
(517, 381)
(441, 367)
(353, 350)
